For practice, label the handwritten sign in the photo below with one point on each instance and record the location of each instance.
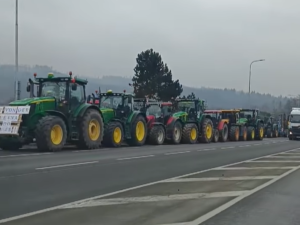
(15, 109)
(12, 118)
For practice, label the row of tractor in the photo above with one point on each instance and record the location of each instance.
(58, 113)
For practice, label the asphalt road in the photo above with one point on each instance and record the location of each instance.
(33, 181)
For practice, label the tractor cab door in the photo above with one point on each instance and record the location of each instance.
(77, 96)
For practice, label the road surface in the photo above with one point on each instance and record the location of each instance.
(155, 185)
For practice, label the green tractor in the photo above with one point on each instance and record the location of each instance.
(249, 118)
(122, 121)
(57, 115)
(188, 123)
(271, 127)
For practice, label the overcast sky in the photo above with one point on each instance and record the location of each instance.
(205, 42)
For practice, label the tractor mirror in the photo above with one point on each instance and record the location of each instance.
(28, 88)
(88, 98)
(74, 87)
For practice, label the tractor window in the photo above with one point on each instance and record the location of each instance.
(77, 96)
(53, 89)
(111, 101)
(154, 110)
(246, 114)
(186, 106)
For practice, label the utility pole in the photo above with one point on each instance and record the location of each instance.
(259, 60)
(17, 82)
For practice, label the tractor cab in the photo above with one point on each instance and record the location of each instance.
(248, 115)
(194, 108)
(119, 103)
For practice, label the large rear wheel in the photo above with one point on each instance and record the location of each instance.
(260, 132)
(234, 134)
(244, 134)
(224, 133)
(250, 133)
(216, 136)
(176, 133)
(50, 133)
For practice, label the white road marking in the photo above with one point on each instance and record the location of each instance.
(290, 153)
(227, 147)
(284, 157)
(220, 178)
(254, 168)
(155, 198)
(128, 189)
(216, 211)
(243, 146)
(274, 161)
(22, 155)
(65, 165)
(175, 223)
(175, 153)
(206, 149)
(91, 150)
(137, 157)
(257, 144)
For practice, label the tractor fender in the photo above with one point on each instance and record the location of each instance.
(61, 115)
(221, 124)
(84, 108)
(120, 121)
(134, 115)
(150, 121)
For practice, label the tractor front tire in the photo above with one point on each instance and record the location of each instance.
(250, 133)
(260, 132)
(234, 134)
(244, 134)
(91, 130)
(224, 133)
(138, 132)
(190, 134)
(113, 135)
(50, 134)
(207, 131)
(157, 135)
(176, 133)
(216, 136)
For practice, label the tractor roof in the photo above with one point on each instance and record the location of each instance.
(52, 78)
(111, 93)
(212, 111)
(241, 109)
(230, 110)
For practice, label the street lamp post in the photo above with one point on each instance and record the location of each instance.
(259, 60)
(17, 94)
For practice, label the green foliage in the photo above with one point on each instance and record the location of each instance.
(153, 77)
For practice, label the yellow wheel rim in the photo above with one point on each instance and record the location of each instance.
(94, 130)
(193, 134)
(208, 131)
(237, 133)
(245, 134)
(261, 132)
(56, 134)
(252, 134)
(140, 131)
(117, 135)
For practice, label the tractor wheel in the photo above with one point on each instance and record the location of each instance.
(207, 131)
(269, 133)
(190, 134)
(250, 133)
(260, 132)
(177, 133)
(113, 135)
(50, 134)
(138, 131)
(244, 134)
(157, 135)
(224, 133)
(216, 136)
(91, 130)
(234, 134)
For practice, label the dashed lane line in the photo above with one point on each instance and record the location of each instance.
(175, 153)
(66, 165)
(137, 157)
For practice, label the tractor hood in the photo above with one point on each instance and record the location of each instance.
(27, 101)
(242, 120)
(178, 114)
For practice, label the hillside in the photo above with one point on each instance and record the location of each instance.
(216, 98)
